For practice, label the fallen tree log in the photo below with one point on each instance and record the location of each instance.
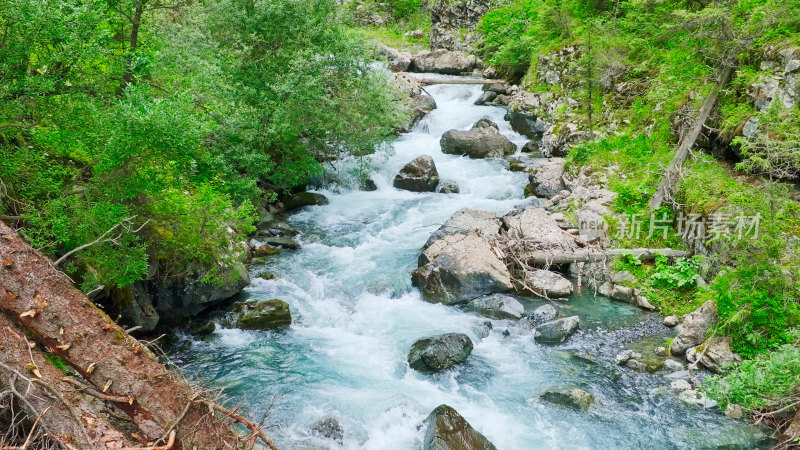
(44, 303)
(671, 175)
(26, 375)
(443, 80)
(572, 256)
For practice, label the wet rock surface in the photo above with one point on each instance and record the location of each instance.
(437, 353)
(447, 430)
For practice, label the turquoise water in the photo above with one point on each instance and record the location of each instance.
(356, 315)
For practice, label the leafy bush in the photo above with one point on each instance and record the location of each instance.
(680, 275)
(766, 382)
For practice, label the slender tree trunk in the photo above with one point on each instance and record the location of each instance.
(672, 173)
(136, 20)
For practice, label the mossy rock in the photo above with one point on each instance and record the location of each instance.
(266, 276)
(257, 315)
(528, 191)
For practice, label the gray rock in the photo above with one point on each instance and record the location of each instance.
(672, 365)
(670, 321)
(329, 428)
(546, 179)
(437, 353)
(548, 283)
(443, 61)
(485, 123)
(266, 315)
(453, 24)
(622, 277)
(545, 313)
(625, 356)
(717, 355)
(281, 241)
(447, 430)
(539, 229)
(398, 61)
(497, 306)
(458, 268)
(486, 97)
(527, 124)
(204, 328)
(448, 187)
(421, 103)
(304, 199)
(680, 385)
(533, 148)
(468, 221)
(556, 331)
(569, 396)
(694, 328)
(419, 175)
(696, 398)
(481, 141)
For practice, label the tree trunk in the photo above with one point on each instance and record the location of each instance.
(136, 20)
(434, 80)
(568, 257)
(17, 362)
(62, 319)
(672, 173)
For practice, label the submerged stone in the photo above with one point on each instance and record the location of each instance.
(569, 396)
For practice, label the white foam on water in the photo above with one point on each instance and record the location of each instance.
(356, 316)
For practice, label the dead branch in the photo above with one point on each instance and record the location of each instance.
(72, 411)
(167, 446)
(103, 238)
(672, 174)
(255, 429)
(102, 396)
(568, 257)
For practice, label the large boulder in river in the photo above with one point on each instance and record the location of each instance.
(458, 268)
(547, 178)
(437, 353)
(482, 141)
(569, 396)
(447, 430)
(557, 331)
(538, 229)
(258, 315)
(549, 284)
(443, 61)
(420, 175)
(497, 306)
(694, 328)
(468, 221)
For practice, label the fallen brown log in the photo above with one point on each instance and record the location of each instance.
(673, 171)
(568, 257)
(431, 80)
(43, 302)
(19, 366)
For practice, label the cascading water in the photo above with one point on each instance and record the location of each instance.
(356, 315)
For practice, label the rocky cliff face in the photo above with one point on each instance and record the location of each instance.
(454, 23)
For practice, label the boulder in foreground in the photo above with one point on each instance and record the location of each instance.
(257, 315)
(557, 331)
(458, 268)
(447, 430)
(482, 141)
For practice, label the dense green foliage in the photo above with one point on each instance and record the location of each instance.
(763, 383)
(177, 130)
(653, 62)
